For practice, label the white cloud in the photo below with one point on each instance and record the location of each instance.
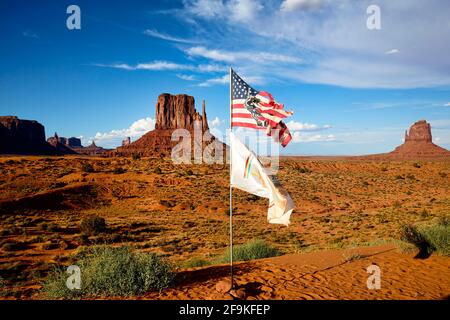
(114, 138)
(154, 66)
(447, 104)
(333, 43)
(220, 80)
(159, 35)
(393, 51)
(215, 122)
(233, 56)
(159, 65)
(294, 126)
(292, 5)
(186, 77)
(299, 137)
(206, 8)
(211, 68)
(244, 10)
(162, 65)
(303, 132)
(30, 34)
(233, 10)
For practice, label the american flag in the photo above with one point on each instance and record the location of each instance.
(257, 110)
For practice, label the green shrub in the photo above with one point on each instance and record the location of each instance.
(93, 225)
(409, 233)
(438, 237)
(435, 238)
(136, 156)
(255, 249)
(87, 167)
(119, 170)
(157, 170)
(195, 262)
(3, 289)
(444, 221)
(108, 271)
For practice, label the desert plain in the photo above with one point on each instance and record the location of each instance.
(349, 215)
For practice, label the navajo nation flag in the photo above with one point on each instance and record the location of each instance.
(257, 110)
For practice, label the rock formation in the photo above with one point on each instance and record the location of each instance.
(172, 112)
(73, 146)
(419, 143)
(19, 136)
(61, 144)
(178, 112)
(91, 150)
(126, 142)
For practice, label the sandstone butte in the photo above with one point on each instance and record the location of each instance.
(418, 145)
(27, 137)
(172, 112)
(19, 136)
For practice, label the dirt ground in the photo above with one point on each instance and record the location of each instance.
(181, 212)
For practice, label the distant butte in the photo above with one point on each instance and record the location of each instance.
(18, 136)
(418, 144)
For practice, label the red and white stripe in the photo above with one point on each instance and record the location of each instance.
(271, 111)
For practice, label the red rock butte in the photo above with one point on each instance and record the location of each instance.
(418, 144)
(172, 112)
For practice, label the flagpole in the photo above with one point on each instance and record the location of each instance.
(231, 194)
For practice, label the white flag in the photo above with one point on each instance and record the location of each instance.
(248, 174)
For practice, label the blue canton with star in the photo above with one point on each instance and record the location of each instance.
(239, 88)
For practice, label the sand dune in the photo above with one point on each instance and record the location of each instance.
(323, 275)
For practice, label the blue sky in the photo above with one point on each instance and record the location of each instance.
(353, 90)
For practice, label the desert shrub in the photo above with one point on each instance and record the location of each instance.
(52, 227)
(157, 170)
(352, 257)
(49, 246)
(87, 167)
(93, 225)
(10, 246)
(189, 172)
(443, 174)
(3, 289)
(434, 238)
(397, 204)
(136, 156)
(304, 170)
(255, 249)
(424, 213)
(416, 165)
(195, 262)
(438, 238)
(58, 185)
(409, 233)
(108, 271)
(119, 170)
(444, 221)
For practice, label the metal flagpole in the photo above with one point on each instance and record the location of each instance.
(231, 191)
